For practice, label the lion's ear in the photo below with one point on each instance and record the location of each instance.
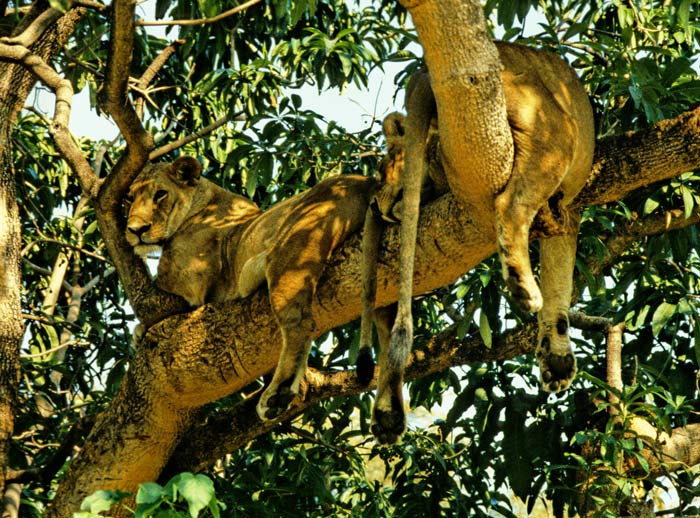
(186, 169)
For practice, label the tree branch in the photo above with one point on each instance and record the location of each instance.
(666, 452)
(145, 298)
(201, 21)
(171, 146)
(150, 73)
(613, 357)
(59, 125)
(31, 34)
(233, 428)
(624, 163)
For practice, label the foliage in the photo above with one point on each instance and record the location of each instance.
(185, 495)
(499, 436)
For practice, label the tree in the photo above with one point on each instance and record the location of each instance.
(182, 400)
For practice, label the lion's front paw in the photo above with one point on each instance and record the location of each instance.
(388, 425)
(557, 371)
(274, 401)
(524, 291)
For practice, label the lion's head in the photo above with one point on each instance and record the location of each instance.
(158, 202)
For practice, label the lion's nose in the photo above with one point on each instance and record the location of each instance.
(138, 229)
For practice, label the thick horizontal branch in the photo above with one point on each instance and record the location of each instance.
(188, 360)
(31, 34)
(667, 452)
(233, 428)
(624, 163)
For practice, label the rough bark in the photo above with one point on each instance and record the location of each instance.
(11, 326)
(41, 34)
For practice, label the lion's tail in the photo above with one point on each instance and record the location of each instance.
(371, 237)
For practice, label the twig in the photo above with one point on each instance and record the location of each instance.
(201, 21)
(186, 140)
(65, 245)
(151, 72)
(54, 349)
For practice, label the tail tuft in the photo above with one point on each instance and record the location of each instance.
(365, 366)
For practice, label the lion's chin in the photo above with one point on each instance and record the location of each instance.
(145, 250)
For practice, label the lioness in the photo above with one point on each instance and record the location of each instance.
(552, 127)
(218, 246)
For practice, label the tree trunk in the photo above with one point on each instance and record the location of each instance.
(10, 289)
(15, 84)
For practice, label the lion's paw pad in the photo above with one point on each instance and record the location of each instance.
(557, 371)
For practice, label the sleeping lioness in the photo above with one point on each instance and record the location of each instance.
(218, 246)
(552, 127)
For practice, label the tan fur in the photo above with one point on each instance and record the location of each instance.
(218, 246)
(552, 126)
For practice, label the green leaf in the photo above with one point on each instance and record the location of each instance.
(101, 501)
(485, 329)
(696, 338)
(198, 490)
(149, 493)
(60, 5)
(650, 205)
(688, 202)
(661, 316)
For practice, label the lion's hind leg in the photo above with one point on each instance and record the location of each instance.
(536, 177)
(557, 261)
(514, 216)
(388, 416)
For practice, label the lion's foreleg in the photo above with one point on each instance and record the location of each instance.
(290, 297)
(557, 261)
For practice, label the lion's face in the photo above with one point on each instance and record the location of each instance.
(158, 202)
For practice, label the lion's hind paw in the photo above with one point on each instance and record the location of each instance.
(557, 371)
(274, 402)
(387, 426)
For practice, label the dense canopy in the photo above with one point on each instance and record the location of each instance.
(83, 409)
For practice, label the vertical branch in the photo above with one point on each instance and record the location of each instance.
(59, 125)
(11, 326)
(115, 101)
(613, 357)
(46, 34)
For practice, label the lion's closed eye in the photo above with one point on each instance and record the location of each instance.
(160, 195)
